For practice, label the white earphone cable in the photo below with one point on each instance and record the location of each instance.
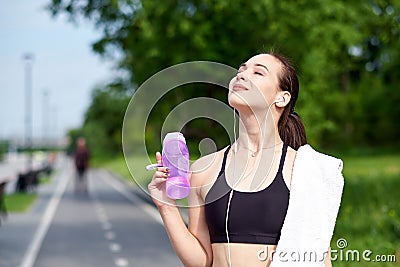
(226, 228)
(234, 129)
(231, 193)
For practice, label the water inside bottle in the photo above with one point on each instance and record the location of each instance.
(177, 187)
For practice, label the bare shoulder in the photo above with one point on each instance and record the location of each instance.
(204, 171)
(206, 165)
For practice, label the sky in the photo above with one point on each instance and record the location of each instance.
(64, 66)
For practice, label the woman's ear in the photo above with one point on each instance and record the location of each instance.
(283, 99)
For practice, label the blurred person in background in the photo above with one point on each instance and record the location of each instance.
(81, 156)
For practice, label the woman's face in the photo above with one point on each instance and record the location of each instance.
(256, 84)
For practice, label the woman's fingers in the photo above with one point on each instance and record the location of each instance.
(163, 169)
(161, 174)
(158, 158)
(158, 180)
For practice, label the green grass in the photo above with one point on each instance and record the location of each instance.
(44, 179)
(19, 202)
(369, 216)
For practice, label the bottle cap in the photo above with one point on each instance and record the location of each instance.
(174, 136)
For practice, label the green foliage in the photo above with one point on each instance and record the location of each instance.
(369, 217)
(3, 149)
(73, 135)
(103, 121)
(44, 179)
(346, 54)
(19, 202)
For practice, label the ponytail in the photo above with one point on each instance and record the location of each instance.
(292, 131)
(290, 126)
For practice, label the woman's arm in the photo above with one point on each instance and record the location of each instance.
(192, 245)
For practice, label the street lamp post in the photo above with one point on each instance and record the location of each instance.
(45, 118)
(28, 59)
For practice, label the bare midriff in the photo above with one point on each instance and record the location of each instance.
(242, 254)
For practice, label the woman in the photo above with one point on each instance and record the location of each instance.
(239, 197)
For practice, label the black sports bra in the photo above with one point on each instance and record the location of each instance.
(254, 217)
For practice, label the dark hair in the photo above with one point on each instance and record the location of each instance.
(290, 126)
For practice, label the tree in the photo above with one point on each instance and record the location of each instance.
(103, 119)
(338, 47)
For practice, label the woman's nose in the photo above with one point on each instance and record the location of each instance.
(240, 76)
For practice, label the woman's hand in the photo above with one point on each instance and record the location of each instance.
(157, 188)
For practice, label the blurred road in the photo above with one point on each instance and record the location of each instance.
(109, 226)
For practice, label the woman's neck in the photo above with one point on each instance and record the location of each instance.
(257, 132)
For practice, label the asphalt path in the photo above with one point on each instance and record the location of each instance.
(108, 226)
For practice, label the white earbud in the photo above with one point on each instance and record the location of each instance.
(281, 99)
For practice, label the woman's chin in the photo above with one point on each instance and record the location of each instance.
(242, 104)
(238, 104)
(235, 100)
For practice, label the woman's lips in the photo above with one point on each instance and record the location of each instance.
(239, 87)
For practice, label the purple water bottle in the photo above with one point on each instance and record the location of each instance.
(175, 156)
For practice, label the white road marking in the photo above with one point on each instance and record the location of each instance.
(97, 206)
(103, 218)
(101, 213)
(122, 262)
(106, 226)
(115, 247)
(36, 243)
(109, 235)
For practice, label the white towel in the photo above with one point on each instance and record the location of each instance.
(315, 195)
